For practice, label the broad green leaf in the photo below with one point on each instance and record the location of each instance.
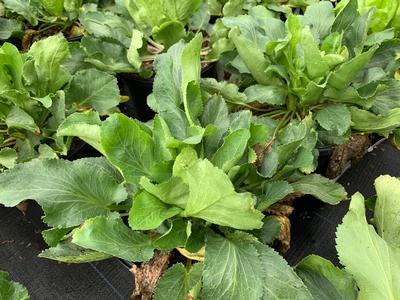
(266, 94)
(200, 19)
(320, 17)
(93, 88)
(173, 191)
(9, 27)
(386, 97)
(270, 230)
(373, 263)
(19, 119)
(335, 118)
(48, 56)
(69, 253)
(180, 10)
(387, 209)
(69, 192)
(233, 148)
(315, 65)
(321, 188)
(86, 126)
(146, 14)
(8, 157)
(251, 55)
(228, 91)
(11, 65)
(10, 290)
(53, 236)
(363, 120)
(215, 113)
(112, 236)
(131, 149)
(177, 282)
(324, 280)
(274, 192)
(191, 69)
(176, 236)
(232, 269)
(23, 8)
(347, 72)
(278, 278)
(212, 197)
(54, 7)
(133, 54)
(169, 33)
(148, 212)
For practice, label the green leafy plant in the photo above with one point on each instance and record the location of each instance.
(11, 290)
(318, 63)
(37, 92)
(189, 183)
(127, 37)
(41, 17)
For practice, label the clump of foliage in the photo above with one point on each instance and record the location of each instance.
(189, 181)
(318, 62)
(37, 92)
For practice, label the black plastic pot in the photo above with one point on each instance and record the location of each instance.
(137, 89)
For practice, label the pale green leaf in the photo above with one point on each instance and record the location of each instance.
(335, 118)
(69, 253)
(8, 157)
(363, 120)
(321, 188)
(387, 209)
(373, 263)
(324, 280)
(112, 236)
(93, 88)
(148, 212)
(266, 94)
(69, 192)
(10, 290)
(23, 8)
(136, 44)
(177, 282)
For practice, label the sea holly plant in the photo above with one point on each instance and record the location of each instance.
(37, 92)
(127, 37)
(333, 68)
(191, 182)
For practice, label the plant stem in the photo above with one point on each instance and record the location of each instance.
(154, 44)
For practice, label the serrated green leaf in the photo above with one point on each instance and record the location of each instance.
(177, 282)
(363, 120)
(53, 236)
(69, 192)
(131, 149)
(169, 33)
(176, 236)
(274, 192)
(237, 274)
(148, 212)
(23, 8)
(278, 278)
(48, 56)
(8, 157)
(54, 7)
(266, 94)
(10, 290)
(270, 230)
(19, 119)
(110, 235)
(69, 253)
(315, 65)
(334, 117)
(93, 88)
(374, 263)
(86, 126)
(387, 209)
(324, 280)
(229, 91)
(9, 27)
(231, 150)
(212, 197)
(321, 188)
